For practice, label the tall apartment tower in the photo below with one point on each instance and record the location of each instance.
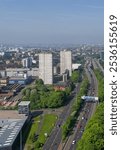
(46, 67)
(65, 61)
(27, 62)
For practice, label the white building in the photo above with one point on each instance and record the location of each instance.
(27, 62)
(14, 71)
(66, 61)
(2, 73)
(76, 66)
(24, 107)
(46, 67)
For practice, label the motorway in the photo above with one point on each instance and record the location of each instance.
(85, 113)
(53, 142)
(99, 65)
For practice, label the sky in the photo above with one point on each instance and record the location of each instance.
(51, 21)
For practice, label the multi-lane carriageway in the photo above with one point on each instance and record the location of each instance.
(85, 113)
(54, 142)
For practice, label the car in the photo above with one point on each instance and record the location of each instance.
(58, 125)
(73, 142)
(82, 130)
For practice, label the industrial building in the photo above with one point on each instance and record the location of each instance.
(11, 88)
(46, 67)
(20, 78)
(30, 71)
(66, 61)
(14, 71)
(11, 126)
(4, 81)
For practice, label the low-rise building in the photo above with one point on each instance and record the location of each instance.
(21, 79)
(76, 66)
(60, 86)
(11, 128)
(4, 81)
(24, 107)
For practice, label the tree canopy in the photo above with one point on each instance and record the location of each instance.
(42, 96)
(93, 136)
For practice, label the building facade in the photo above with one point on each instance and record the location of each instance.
(24, 107)
(46, 67)
(4, 81)
(27, 62)
(65, 61)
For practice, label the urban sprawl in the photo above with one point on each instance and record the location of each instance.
(48, 95)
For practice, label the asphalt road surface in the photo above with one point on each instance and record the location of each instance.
(54, 140)
(85, 113)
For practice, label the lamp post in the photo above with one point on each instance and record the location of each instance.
(21, 140)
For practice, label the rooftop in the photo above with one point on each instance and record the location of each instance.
(24, 103)
(4, 78)
(17, 78)
(9, 129)
(10, 125)
(64, 84)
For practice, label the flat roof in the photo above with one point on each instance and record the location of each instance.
(17, 78)
(4, 78)
(24, 103)
(9, 130)
(17, 69)
(61, 84)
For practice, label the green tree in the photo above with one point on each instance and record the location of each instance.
(93, 136)
(39, 82)
(75, 76)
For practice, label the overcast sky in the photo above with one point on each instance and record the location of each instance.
(51, 21)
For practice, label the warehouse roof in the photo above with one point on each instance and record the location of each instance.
(24, 103)
(9, 130)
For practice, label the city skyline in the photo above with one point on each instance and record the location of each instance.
(51, 22)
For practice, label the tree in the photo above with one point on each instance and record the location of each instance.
(33, 96)
(75, 76)
(56, 99)
(39, 82)
(37, 145)
(28, 92)
(23, 91)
